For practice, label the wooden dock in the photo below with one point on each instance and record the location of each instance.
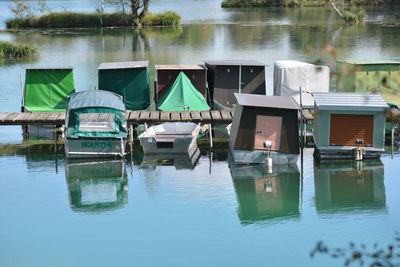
(133, 117)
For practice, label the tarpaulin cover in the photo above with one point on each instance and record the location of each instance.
(289, 75)
(182, 95)
(132, 84)
(95, 98)
(47, 90)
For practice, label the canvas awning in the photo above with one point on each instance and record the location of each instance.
(128, 79)
(47, 89)
(95, 98)
(290, 75)
(182, 95)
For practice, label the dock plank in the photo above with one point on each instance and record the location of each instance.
(154, 116)
(205, 115)
(226, 115)
(216, 116)
(196, 117)
(133, 115)
(10, 117)
(144, 116)
(175, 116)
(185, 115)
(165, 116)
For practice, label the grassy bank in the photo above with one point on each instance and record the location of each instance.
(91, 20)
(16, 50)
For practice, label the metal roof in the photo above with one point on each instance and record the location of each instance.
(349, 101)
(95, 98)
(280, 102)
(370, 62)
(124, 65)
(180, 67)
(50, 68)
(234, 62)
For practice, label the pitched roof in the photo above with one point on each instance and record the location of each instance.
(349, 101)
(280, 102)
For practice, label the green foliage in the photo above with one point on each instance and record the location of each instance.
(72, 20)
(167, 18)
(21, 10)
(354, 17)
(243, 4)
(16, 50)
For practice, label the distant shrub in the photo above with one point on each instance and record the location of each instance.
(241, 3)
(167, 18)
(352, 17)
(72, 20)
(16, 50)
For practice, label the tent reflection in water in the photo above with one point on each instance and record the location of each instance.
(260, 120)
(95, 125)
(348, 186)
(46, 90)
(96, 186)
(262, 195)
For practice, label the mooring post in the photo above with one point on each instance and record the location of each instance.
(211, 138)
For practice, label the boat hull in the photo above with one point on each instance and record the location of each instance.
(180, 145)
(95, 147)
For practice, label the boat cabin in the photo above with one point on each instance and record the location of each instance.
(226, 77)
(259, 120)
(128, 79)
(370, 76)
(344, 122)
(291, 75)
(95, 125)
(166, 75)
(349, 186)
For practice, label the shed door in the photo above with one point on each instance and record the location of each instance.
(268, 128)
(346, 129)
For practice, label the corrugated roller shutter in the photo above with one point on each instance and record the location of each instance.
(346, 129)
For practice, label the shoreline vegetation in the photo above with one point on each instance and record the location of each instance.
(66, 19)
(12, 50)
(301, 3)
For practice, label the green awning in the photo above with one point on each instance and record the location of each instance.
(46, 90)
(182, 95)
(131, 81)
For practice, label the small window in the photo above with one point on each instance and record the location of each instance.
(165, 144)
(97, 122)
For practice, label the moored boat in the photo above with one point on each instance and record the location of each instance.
(95, 125)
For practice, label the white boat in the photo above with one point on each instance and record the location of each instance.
(170, 138)
(95, 125)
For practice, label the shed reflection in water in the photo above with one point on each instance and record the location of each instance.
(348, 186)
(262, 195)
(96, 186)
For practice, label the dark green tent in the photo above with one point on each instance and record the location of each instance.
(128, 79)
(47, 89)
(182, 95)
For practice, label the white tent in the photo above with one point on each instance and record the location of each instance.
(289, 75)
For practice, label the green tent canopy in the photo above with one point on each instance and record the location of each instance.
(128, 79)
(47, 89)
(182, 95)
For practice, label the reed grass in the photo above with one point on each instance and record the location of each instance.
(16, 50)
(167, 18)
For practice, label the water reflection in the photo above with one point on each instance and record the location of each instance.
(96, 186)
(349, 186)
(262, 195)
(180, 161)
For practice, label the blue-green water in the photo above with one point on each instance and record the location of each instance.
(54, 213)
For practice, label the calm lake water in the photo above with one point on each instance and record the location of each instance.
(58, 213)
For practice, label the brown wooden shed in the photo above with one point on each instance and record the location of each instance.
(167, 74)
(226, 77)
(265, 118)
